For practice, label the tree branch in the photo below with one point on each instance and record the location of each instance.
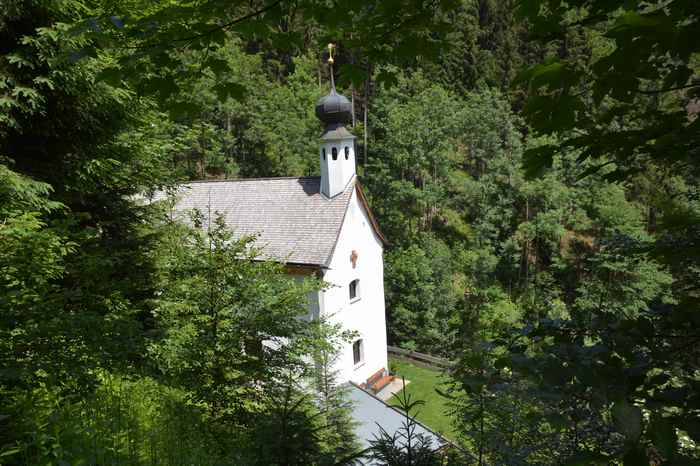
(231, 23)
(402, 24)
(668, 89)
(213, 30)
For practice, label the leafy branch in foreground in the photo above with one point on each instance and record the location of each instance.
(630, 100)
(628, 350)
(145, 41)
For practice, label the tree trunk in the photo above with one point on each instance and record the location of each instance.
(352, 104)
(527, 245)
(366, 111)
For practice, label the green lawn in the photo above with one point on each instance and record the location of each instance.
(422, 387)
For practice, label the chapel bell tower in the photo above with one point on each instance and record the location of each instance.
(337, 154)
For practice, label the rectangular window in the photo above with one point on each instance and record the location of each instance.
(354, 289)
(357, 351)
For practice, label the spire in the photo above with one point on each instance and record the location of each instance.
(331, 47)
(334, 109)
(337, 151)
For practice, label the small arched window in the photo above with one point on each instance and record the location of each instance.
(334, 153)
(357, 352)
(323, 151)
(354, 289)
(347, 152)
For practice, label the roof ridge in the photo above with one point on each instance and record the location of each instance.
(296, 223)
(262, 178)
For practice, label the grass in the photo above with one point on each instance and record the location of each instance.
(422, 387)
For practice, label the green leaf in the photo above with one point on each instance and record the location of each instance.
(631, 21)
(544, 74)
(217, 65)
(538, 159)
(11, 451)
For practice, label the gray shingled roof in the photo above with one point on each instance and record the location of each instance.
(369, 413)
(292, 221)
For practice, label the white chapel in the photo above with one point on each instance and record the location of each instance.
(319, 226)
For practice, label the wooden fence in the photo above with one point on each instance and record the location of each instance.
(420, 359)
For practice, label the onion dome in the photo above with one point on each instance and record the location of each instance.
(334, 108)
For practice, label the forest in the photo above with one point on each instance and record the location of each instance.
(534, 165)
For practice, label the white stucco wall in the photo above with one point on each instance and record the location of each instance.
(365, 315)
(335, 174)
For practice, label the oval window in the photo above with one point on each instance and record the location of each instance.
(347, 152)
(334, 153)
(323, 151)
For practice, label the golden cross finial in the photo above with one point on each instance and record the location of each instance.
(331, 48)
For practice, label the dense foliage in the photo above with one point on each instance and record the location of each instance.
(126, 338)
(533, 164)
(628, 348)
